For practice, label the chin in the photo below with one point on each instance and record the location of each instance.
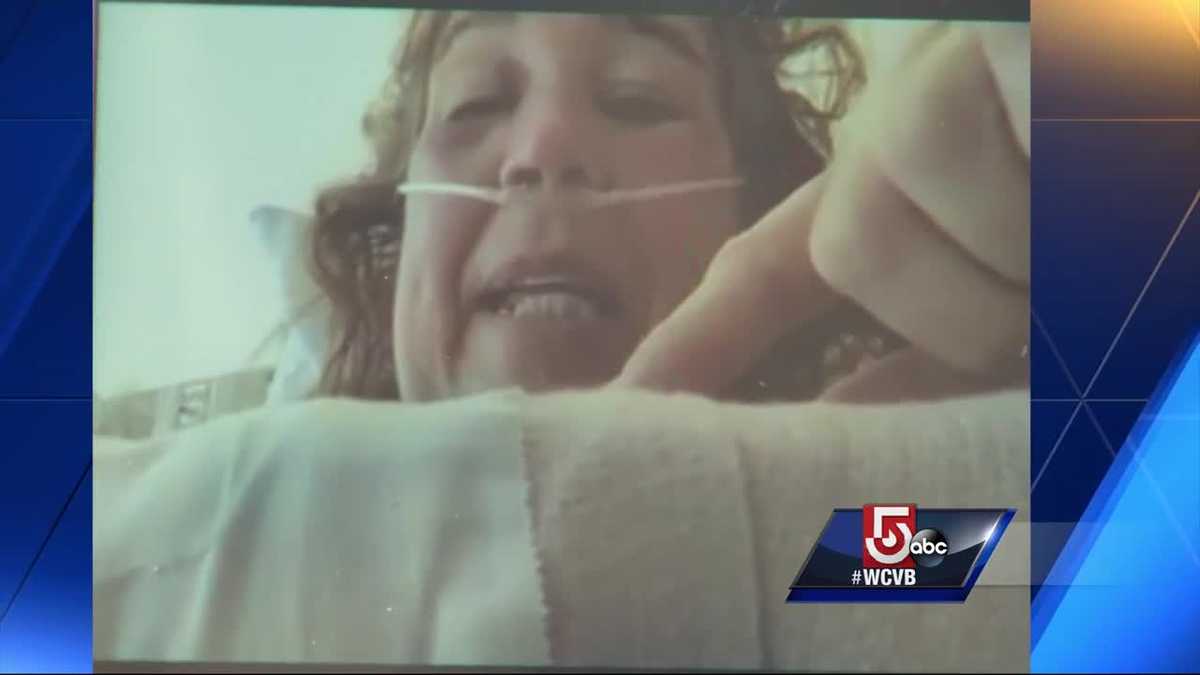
(540, 372)
(539, 356)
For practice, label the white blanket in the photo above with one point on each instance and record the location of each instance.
(605, 528)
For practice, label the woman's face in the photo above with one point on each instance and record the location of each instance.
(530, 295)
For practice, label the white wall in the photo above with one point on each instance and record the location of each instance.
(203, 113)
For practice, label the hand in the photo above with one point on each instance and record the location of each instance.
(922, 219)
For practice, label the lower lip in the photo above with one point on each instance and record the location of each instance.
(539, 351)
(538, 321)
(551, 306)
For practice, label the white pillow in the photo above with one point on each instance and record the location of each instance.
(286, 236)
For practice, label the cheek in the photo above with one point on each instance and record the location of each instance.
(677, 237)
(439, 236)
(679, 152)
(679, 240)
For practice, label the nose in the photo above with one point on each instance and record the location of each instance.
(548, 148)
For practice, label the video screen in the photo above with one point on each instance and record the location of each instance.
(475, 337)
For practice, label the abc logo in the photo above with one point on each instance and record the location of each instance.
(928, 548)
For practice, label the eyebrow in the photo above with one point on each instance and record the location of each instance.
(464, 21)
(670, 36)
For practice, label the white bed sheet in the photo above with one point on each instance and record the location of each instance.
(608, 528)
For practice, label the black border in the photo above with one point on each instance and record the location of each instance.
(944, 10)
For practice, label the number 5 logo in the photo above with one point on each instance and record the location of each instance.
(887, 532)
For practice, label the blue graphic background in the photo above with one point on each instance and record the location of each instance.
(1135, 576)
(1115, 471)
(45, 335)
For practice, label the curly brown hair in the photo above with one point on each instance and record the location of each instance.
(780, 139)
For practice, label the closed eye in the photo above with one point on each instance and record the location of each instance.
(638, 109)
(482, 107)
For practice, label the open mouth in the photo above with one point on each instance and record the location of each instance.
(550, 298)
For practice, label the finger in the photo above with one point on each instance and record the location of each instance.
(758, 286)
(943, 137)
(870, 243)
(1007, 48)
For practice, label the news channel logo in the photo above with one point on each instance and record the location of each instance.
(899, 553)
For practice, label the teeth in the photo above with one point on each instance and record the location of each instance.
(560, 305)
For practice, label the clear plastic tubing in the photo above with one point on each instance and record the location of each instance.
(580, 197)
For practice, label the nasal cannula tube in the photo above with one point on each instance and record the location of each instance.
(587, 197)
